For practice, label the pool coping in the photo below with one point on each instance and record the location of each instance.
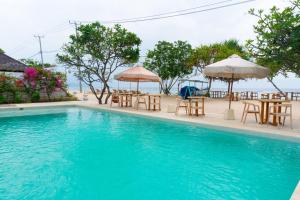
(296, 193)
(237, 130)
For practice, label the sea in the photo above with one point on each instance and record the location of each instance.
(260, 86)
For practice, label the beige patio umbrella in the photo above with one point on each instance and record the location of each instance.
(137, 74)
(235, 68)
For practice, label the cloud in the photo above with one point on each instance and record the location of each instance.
(21, 19)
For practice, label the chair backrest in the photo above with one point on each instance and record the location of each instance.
(282, 106)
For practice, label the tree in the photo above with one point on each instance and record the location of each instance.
(35, 63)
(51, 81)
(99, 51)
(170, 62)
(277, 42)
(1, 51)
(208, 54)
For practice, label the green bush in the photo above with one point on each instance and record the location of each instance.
(17, 98)
(2, 99)
(35, 96)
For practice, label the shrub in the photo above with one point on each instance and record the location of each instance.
(33, 82)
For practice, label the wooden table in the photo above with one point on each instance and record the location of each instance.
(128, 99)
(196, 100)
(154, 102)
(264, 110)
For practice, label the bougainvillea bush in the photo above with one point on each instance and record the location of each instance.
(9, 89)
(32, 84)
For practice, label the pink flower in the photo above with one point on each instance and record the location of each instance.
(33, 84)
(59, 83)
(30, 73)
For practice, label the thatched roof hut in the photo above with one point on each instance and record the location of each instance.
(8, 64)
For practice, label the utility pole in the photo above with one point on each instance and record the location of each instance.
(79, 70)
(41, 49)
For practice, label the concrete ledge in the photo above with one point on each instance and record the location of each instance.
(296, 194)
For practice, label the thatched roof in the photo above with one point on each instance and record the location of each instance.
(8, 64)
(137, 74)
(235, 67)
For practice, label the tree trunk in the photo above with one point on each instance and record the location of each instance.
(275, 86)
(209, 84)
(65, 91)
(101, 95)
(160, 88)
(108, 94)
(95, 93)
(166, 90)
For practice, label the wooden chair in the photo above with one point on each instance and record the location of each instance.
(276, 111)
(140, 100)
(115, 98)
(127, 100)
(195, 107)
(182, 103)
(247, 110)
(154, 103)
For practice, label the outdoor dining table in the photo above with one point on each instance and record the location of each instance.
(154, 102)
(197, 100)
(264, 110)
(126, 99)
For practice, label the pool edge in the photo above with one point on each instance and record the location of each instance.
(207, 125)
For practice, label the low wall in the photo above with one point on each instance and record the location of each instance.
(9, 98)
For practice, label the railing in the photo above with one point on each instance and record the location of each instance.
(217, 94)
(294, 96)
(250, 95)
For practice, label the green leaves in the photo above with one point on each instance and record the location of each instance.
(169, 61)
(208, 54)
(35, 63)
(277, 43)
(98, 51)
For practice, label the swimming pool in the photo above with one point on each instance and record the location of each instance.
(76, 153)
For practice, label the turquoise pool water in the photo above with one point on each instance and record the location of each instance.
(78, 153)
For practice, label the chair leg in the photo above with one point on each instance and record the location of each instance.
(177, 108)
(243, 112)
(255, 113)
(278, 124)
(259, 119)
(247, 109)
(291, 118)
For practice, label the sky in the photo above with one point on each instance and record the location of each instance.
(22, 19)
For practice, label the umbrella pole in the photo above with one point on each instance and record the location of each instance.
(137, 87)
(230, 92)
